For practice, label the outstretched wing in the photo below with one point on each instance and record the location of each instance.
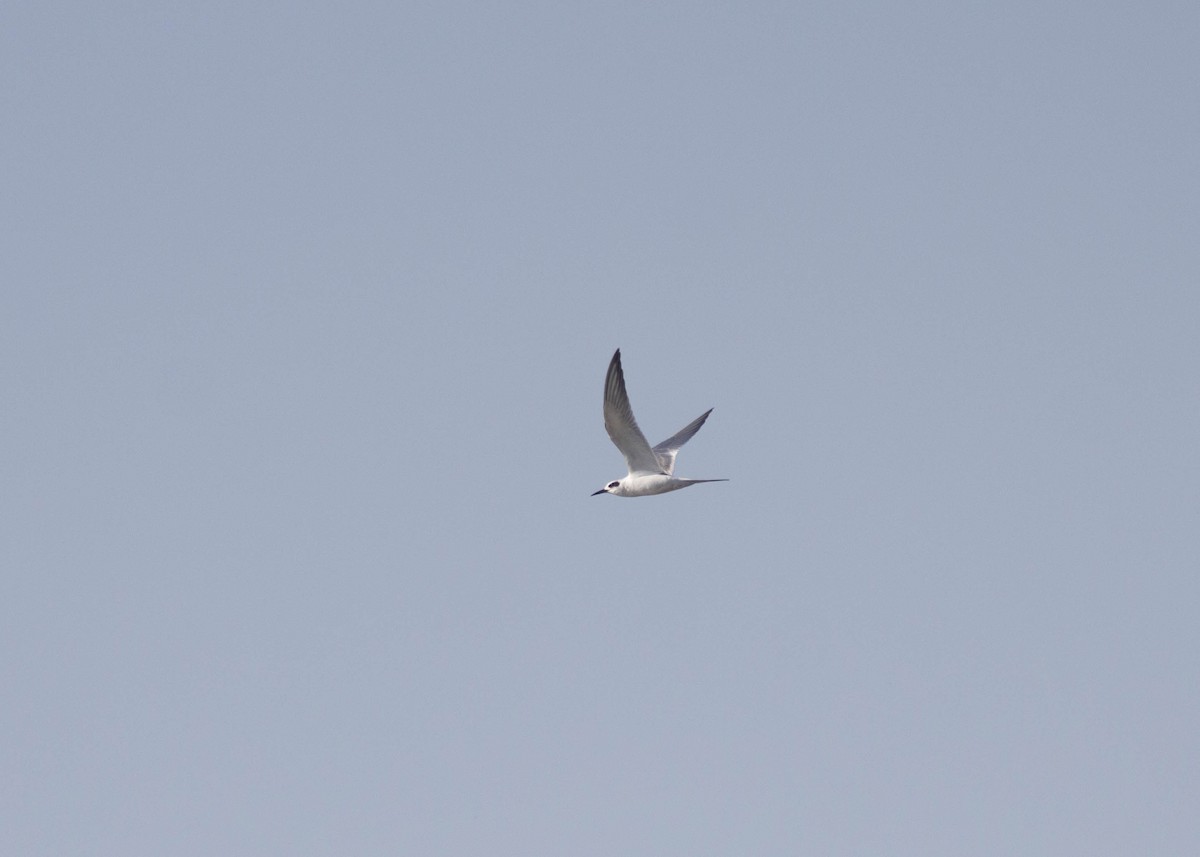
(665, 451)
(622, 427)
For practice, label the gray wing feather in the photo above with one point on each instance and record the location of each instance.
(665, 451)
(622, 427)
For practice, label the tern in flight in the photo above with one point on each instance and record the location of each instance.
(651, 469)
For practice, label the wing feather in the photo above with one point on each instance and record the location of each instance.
(622, 427)
(666, 451)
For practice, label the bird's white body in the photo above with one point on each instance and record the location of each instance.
(651, 469)
(645, 484)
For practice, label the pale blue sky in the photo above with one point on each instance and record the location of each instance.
(304, 322)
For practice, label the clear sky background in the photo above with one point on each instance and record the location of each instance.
(304, 317)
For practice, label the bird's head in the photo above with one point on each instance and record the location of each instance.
(613, 487)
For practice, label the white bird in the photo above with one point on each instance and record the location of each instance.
(651, 470)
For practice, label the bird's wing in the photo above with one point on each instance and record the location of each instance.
(665, 451)
(622, 427)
